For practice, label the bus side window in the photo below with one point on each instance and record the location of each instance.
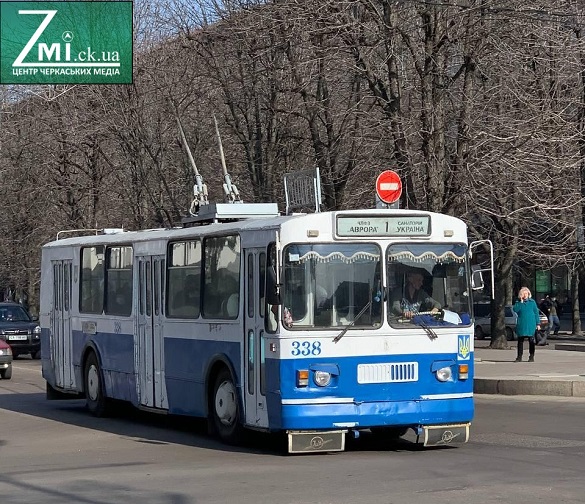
(186, 301)
(221, 286)
(119, 280)
(91, 296)
(262, 283)
(184, 279)
(272, 291)
(229, 294)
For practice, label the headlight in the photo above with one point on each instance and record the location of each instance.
(322, 378)
(37, 330)
(5, 351)
(444, 374)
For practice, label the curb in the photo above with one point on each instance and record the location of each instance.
(574, 347)
(563, 388)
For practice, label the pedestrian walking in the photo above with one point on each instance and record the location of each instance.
(528, 322)
(545, 306)
(549, 307)
(553, 319)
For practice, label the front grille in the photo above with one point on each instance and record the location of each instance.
(388, 372)
(16, 331)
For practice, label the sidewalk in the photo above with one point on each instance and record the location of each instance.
(558, 370)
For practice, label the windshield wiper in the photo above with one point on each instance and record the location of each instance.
(440, 315)
(348, 326)
(430, 333)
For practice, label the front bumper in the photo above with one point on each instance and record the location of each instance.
(308, 416)
(30, 344)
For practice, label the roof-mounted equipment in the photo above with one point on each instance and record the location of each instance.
(199, 189)
(231, 191)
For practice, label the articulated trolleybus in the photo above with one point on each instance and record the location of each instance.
(320, 324)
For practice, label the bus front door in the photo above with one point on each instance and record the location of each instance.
(149, 348)
(61, 325)
(254, 378)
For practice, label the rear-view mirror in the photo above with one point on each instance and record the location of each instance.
(272, 288)
(477, 282)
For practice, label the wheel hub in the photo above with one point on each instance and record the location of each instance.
(92, 383)
(225, 403)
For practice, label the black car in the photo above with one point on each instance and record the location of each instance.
(20, 330)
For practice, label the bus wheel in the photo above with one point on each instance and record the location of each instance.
(94, 389)
(226, 408)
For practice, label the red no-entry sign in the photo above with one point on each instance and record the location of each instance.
(388, 186)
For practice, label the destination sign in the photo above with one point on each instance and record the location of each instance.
(384, 226)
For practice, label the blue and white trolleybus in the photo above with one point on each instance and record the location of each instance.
(319, 324)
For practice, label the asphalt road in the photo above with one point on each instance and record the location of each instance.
(522, 450)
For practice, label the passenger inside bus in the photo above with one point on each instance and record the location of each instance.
(231, 306)
(221, 295)
(186, 301)
(124, 299)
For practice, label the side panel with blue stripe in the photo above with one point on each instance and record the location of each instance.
(186, 365)
(116, 353)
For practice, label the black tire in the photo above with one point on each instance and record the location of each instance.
(225, 408)
(95, 398)
(479, 334)
(6, 373)
(36, 355)
(509, 334)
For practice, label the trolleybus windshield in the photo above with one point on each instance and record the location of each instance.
(329, 285)
(425, 278)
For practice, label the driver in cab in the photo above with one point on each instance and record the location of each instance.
(411, 299)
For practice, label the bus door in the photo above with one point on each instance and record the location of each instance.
(61, 325)
(149, 348)
(254, 378)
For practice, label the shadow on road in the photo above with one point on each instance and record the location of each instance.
(153, 428)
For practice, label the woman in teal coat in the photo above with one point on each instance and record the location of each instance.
(528, 322)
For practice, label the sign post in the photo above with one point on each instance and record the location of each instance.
(388, 189)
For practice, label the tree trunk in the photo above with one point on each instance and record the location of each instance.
(576, 322)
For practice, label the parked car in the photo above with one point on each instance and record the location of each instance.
(483, 321)
(5, 360)
(20, 330)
